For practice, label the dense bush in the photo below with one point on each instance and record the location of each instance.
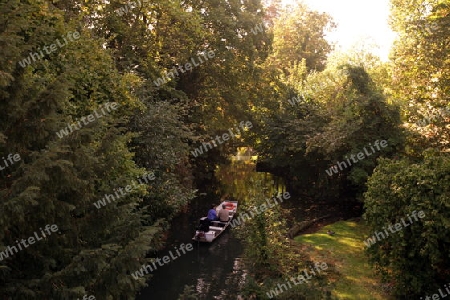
(416, 258)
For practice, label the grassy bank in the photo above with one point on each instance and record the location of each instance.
(355, 279)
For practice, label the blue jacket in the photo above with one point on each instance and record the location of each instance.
(212, 215)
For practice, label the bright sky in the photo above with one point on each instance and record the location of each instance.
(357, 21)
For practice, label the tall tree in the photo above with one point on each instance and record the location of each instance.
(421, 67)
(46, 89)
(412, 259)
(299, 33)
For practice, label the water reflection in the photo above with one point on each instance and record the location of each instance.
(238, 178)
(214, 270)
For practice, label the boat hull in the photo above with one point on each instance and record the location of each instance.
(216, 228)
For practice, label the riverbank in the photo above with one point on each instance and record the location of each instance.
(308, 215)
(344, 250)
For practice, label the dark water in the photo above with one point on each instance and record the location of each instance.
(215, 271)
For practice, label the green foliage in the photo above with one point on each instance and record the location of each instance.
(299, 33)
(421, 68)
(269, 256)
(189, 293)
(344, 252)
(341, 112)
(314, 289)
(415, 259)
(340, 108)
(58, 180)
(264, 236)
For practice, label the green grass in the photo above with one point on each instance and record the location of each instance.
(355, 278)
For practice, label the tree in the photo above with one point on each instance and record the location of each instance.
(412, 258)
(421, 67)
(286, 113)
(59, 178)
(341, 111)
(299, 33)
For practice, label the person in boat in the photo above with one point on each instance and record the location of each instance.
(202, 228)
(212, 214)
(224, 214)
(204, 225)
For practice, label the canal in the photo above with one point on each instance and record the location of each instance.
(213, 271)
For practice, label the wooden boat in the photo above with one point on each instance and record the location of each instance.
(216, 228)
